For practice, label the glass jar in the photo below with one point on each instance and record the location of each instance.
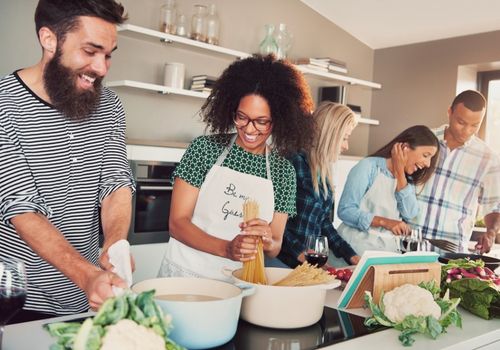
(168, 17)
(268, 45)
(198, 23)
(283, 41)
(213, 26)
(182, 29)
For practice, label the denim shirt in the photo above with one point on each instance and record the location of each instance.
(359, 181)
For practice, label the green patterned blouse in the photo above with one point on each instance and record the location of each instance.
(203, 152)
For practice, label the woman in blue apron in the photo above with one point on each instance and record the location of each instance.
(379, 195)
(259, 98)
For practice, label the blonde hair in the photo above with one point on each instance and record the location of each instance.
(332, 121)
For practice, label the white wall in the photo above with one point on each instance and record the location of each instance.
(174, 118)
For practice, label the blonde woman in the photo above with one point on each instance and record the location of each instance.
(334, 124)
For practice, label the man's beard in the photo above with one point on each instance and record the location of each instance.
(60, 84)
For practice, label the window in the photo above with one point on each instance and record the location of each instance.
(490, 129)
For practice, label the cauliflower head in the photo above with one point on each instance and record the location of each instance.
(128, 335)
(409, 299)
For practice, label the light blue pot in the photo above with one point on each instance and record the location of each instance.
(199, 324)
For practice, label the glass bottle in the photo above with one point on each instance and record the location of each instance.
(182, 29)
(168, 17)
(198, 23)
(213, 26)
(283, 41)
(268, 45)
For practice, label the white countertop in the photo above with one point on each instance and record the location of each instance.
(476, 333)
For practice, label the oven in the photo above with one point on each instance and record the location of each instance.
(151, 202)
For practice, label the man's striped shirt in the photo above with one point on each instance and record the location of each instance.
(465, 178)
(62, 169)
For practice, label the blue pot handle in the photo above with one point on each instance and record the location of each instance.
(246, 289)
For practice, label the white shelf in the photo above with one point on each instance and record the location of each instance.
(158, 88)
(338, 77)
(142, 33)
(368, 121)
(134, 31)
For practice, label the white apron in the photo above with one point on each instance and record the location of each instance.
(218, 212)
(380, 200)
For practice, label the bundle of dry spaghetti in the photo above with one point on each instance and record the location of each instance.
(305, 275)
(253, 270)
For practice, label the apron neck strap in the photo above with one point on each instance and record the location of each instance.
(226, 150)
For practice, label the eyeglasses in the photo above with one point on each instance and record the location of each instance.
(262, 125)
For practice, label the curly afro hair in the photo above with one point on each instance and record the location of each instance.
(280, 84)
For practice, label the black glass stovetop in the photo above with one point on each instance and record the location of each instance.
(333, 327)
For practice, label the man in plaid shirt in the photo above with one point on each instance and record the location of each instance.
(467, 177)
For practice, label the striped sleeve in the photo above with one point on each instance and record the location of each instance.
(115, 170)
(18, 192)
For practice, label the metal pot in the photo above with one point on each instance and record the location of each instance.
(490, 262)
(283, 307)
(199, 324)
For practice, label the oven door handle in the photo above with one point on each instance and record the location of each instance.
(156, 188)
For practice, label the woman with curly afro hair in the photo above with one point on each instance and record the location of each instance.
(258, 112)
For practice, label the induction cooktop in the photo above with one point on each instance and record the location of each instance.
(333, 327)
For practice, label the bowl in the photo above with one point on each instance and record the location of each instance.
(490, 262)
(204, 312)
(283, 307)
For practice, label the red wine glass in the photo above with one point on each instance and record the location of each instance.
(316, 252)
(12, 290)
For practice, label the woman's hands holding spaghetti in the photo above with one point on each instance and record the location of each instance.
(259, 228)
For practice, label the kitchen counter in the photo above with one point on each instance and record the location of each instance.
(476, 333)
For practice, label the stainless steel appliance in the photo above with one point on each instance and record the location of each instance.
(151, 203)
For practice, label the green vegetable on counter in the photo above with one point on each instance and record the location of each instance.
(474, 284)
(411, 323)
(140, 308)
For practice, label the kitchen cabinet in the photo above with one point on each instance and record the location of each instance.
(146, 34)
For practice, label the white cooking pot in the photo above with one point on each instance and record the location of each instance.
(283, 307)
(199, 324)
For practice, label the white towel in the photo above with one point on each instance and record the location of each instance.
(119, 257)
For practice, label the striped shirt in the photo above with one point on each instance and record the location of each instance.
(62, 169)
(465, 178)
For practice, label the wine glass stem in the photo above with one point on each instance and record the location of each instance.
(2, 326)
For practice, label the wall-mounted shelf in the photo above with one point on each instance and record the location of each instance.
(339, 77)
(134, 31)
(142, 33)
(368, 121)
(157, 88)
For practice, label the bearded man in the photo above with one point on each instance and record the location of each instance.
(63, 164)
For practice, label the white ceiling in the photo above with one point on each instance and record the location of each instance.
(387, 23)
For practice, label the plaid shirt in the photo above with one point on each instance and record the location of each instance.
(465, 178)
(313, 218)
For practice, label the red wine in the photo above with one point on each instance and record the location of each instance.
(316, 259)
(10, 302)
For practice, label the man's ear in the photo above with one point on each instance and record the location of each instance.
(449, 112)
(48, 40)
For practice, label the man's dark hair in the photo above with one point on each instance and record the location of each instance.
(61, 16)
(280, 84)
(471, 99)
